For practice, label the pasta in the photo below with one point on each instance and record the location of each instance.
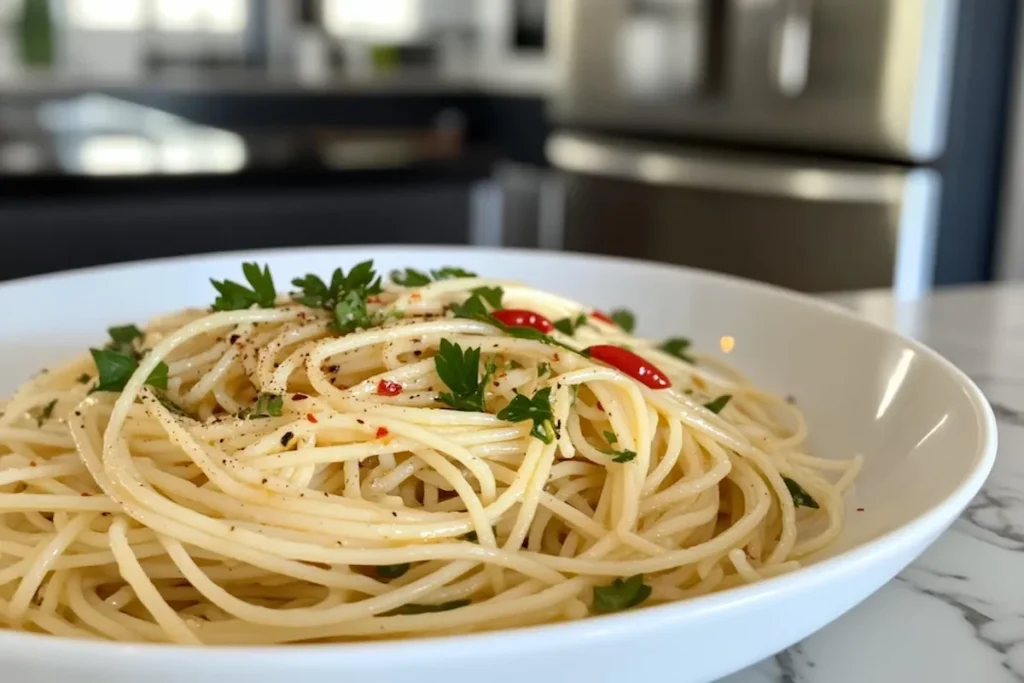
(364, 460)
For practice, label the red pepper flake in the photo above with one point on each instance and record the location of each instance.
(382, 432)
(415, 296)
(85, 495)
(311, 417)
(32, 463)
(860, 509)
(631, 364)
(373, 299)
(602, 317)
(556, 358)
(600, 407)
(388, 388)
(299, 397)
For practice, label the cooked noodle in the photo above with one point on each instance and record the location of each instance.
(121, 519)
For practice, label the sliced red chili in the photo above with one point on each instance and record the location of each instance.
(601, 316)
(311, 417)
(519, 317)
(382, 432)
(386, 387)
(631, 364)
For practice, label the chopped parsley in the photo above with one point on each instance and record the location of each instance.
(115, 369)
(618, 456)
(414, 608)
(537, 409)
(170, 405)
(234, 297)
(460, 371)
(800, 496)
(392, 571)
(411, 277)
(542, 369)
(491, 295)
(266, 405)
(621, 594)
(122, 339)
(624, 318)
(677, 346)
(45, 412)
(570, 325)
(345, 295)
(719, 403)
(623, 456)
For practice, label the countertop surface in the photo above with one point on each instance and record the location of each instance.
(957, 613)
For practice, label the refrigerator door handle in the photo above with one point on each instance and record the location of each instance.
(717, 171)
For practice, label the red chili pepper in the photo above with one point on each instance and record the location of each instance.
(518, 317)
(388, 388)
(628, 362)
(601, 316)
(382, 432)
(311, 417)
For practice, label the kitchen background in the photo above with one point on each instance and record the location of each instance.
(816, 144)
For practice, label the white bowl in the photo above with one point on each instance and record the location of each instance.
(925, 430)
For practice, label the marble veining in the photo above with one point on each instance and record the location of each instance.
(957, 613)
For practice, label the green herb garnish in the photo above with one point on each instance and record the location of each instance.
(170, 405)
(537, 409)
(122, 339)
(621, 594)
(266, 405)
(570, 325)
(234, 297)
(617, 456)
(410, 278)
(491, 295)
(624, 456)
(610, 437)
(45, 412)
(677, 346)
(451, 273)
(460, 371)
(414, 608)
(719, 403)
(624, 319)
(115, 369)
(542, 369)
(800, 496)
(392, 571)
(345, 296)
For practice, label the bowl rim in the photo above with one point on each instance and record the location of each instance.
(32, 646)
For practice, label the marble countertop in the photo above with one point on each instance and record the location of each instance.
(957, 613)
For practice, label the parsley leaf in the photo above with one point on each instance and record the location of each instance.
(451, 273)
(170, 405)
(115, 369)
(460, 371)
(623, 456)
(719, 403)
(345, 296)
(267, 405)
(610, 437)
(677, 346)
(234, 297)
(414, 608)
(800, 496)
(624, 318)
(123, 339)
(570, 325)
(45, 412)
(491, 295)
(537, 409)
(621, 594)
(392, 571)
(410, 278)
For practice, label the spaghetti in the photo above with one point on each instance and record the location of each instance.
(364, 461)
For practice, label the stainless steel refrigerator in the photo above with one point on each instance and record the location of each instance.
(816, 144)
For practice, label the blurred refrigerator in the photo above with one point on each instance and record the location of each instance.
(815, 144)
